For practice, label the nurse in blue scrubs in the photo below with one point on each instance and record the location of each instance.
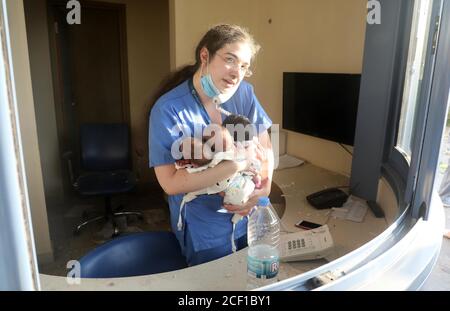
(191, 99)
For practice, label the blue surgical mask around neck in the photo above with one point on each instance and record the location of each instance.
(208, 86)
(210, 89)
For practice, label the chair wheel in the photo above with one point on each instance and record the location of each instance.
(76, 232)
(116, 232)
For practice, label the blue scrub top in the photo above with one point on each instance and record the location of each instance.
(180, 109)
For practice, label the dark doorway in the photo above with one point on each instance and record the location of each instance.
(90, 70)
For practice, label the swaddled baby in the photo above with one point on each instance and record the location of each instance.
(227, 143)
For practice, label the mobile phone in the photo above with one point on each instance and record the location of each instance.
(307, 225)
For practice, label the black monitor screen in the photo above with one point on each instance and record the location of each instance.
(321, 104)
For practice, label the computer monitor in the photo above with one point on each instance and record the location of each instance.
(323, 105)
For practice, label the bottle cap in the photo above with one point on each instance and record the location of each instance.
(263, 201)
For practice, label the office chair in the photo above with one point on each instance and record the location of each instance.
(132, 255)
(106, 168)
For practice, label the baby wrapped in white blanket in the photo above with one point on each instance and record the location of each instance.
(237, 188)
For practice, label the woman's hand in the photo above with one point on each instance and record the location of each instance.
(245, 209)
(250, 151)
(248, 165)
(250, 158)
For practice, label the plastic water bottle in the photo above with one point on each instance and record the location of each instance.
(263, 234)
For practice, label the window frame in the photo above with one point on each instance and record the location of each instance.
(375, 152)
(428, 140)
(18, 261)
(382, 81)
(18, 264)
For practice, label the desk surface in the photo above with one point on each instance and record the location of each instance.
(230, 272)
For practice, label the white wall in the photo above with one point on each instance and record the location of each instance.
(304, 35)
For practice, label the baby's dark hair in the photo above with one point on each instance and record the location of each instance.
(231, 122)
(225, 142)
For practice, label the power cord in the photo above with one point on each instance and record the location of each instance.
(345, 149)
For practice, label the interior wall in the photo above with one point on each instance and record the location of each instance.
(148, 62)
(303, 35)
(193, 18)
(28, 130)
(295, 35)
(40, 67)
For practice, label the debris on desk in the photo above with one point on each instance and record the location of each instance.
(291, 195)
(282, 186)
(353, 209)
(338, 213)
(288, 161)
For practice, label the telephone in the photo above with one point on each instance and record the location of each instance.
(306, 245)
(328, 198)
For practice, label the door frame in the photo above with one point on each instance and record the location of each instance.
(57, 69)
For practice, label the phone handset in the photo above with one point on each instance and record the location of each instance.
(306, 245)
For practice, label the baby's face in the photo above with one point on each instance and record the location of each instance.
(252, 149)
(219, 141)
(248, 146)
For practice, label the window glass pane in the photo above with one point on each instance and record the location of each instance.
(442, 177)
(414, 72)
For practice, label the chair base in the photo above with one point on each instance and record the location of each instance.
(107, 218)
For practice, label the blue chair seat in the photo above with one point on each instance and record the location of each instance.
(106, 183)
(132, 255)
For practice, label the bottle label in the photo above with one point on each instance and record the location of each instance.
(263, 268)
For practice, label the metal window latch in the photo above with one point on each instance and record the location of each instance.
(327, 277)
(435, 35)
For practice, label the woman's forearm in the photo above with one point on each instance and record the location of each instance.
(267, 165)
(181, 181)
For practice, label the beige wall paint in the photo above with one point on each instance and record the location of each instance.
(28, 130)
(304, 35)
(38, 43)
(148, 62)
(194, 17)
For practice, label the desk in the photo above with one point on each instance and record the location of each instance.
(230, 272)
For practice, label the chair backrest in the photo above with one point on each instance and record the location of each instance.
(132, 255)
(105, 147)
